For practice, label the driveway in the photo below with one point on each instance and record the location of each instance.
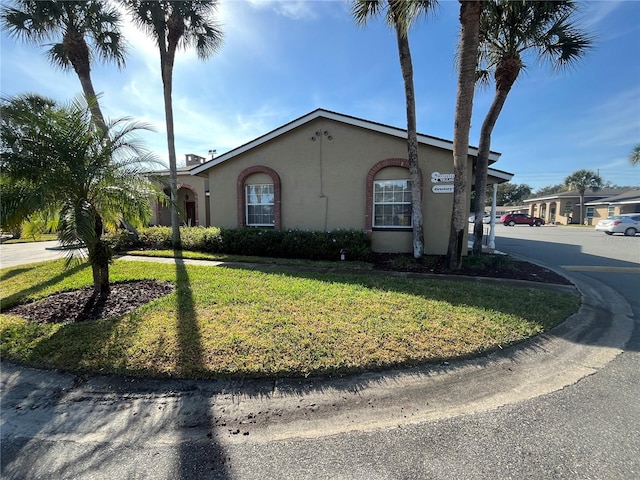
(15, 254)
(563, 405)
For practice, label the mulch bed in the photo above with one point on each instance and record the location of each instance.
(438, 265)
(83, 305)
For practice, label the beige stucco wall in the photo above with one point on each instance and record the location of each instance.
(190, 186)
(323, 180)
(545, 209)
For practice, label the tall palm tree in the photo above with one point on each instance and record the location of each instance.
(470, 11)
(55, 155)
(400, 15)
(509, 30)
(68, 25)
(176, 24)
(582, 180)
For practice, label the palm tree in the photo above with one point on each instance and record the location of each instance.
(54, 155)
(581, 181)
(470, 11)
(68, 24)
(634, 156)
(173, 25)
(510, 30)
(400, 15)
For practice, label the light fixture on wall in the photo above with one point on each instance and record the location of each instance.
(319, 134)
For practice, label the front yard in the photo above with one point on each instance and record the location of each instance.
(222, 322)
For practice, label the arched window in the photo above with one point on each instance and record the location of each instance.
(388, 201)
(259, 200)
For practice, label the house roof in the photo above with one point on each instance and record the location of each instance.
(605, 192)
(499, 174)
(630, 196)
(179, 170)
(339, 117)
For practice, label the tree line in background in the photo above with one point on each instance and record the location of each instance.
(512, 194)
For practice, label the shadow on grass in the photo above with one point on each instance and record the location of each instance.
(204, 454)
(16, 297)
(14, 272)
(454, 290)
(39, 408)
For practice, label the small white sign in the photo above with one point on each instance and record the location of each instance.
(437, 177)
(442, 189)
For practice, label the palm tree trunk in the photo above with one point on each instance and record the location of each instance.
(100, 268)
(482, 165)
(99, 257)
(78, 53)
(167, 60)
(412, 141)
(469, 41)
(92, 100)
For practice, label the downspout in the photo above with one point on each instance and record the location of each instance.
(319, 134)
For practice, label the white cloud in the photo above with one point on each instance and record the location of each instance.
(615, 122)
(293, 9)
(596, 12)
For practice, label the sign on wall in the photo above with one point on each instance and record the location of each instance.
(440, 178)
(442, 189)
(437, 177)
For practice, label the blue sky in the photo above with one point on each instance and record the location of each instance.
(283, 59)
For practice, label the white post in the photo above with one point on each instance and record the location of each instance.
(492, 227)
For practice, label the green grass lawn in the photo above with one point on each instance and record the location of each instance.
(223, 322)
(45, 237)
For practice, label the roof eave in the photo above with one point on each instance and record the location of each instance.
(354, 121)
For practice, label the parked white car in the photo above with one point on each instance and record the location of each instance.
(628, 224)
(486, 219)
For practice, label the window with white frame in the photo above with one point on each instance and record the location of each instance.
(392, 204)
(611, 210)
(260, 205)
(591, 212)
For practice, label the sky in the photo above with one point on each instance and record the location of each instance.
(283, 59)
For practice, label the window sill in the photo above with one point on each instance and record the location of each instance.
(392, 229)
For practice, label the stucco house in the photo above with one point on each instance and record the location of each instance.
(625, 202)
(193, 192)
(564, 208)
(327, 171)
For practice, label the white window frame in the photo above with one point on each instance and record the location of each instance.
(611, 210)
(382, 198)
(590, 212)
(249, 203)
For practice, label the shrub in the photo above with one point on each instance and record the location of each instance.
(261, 242)
(122, 240)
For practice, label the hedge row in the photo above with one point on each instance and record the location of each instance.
(302, 244)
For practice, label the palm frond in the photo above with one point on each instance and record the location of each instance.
(364, 10)
(546, 29)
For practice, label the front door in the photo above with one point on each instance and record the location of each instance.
(190, 210)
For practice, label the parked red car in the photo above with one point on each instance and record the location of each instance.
(511, 219)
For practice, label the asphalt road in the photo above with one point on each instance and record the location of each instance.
(582, 252)
(586, 429)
